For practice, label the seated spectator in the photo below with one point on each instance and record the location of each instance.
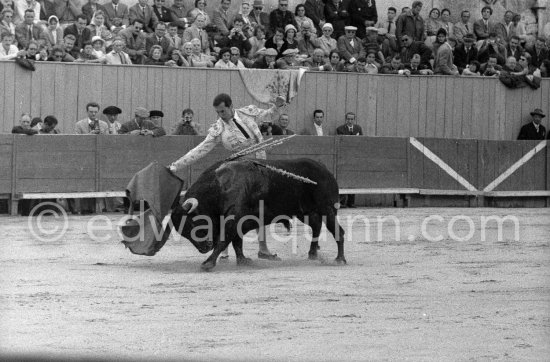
(472, 69)
(187, 52)
(301, 18)
(236, 58)
(223, 17)
(199, 9)
(24, 126)
(417, 68)
(371, 45)
(349, 46)
(276, 42)
(92, 124)
(336, 62)
(446, 23)
(514, 48)
(288, 61)
(71, 53)
(196, 31)
(337, 15)
(134, 41)
(199, 60)
(186, 126)
(21, 6)
(112, 113)
(326, 41)
(36, 123)
(394, 67)
(410, 47)
(539, 51)
(53, 32)
(237, 38)
(23, 29)
(281, 17)
(176, 59)
(159, 38)
(389, 23)
(98, 46)
(369, 64)
(117, 55)
(511, 65)
(465, 53)
(440, 39)
(545, 69)
(387, 43)
(491, 68)
(521, 74)
(290, 41)
(463, 27)
(99, 26)
(8, 51)
(257, 42)
(282, 123)
(267, 61)
(225, 60)
(432, 25)
(141, 126)
(156, 117)
(444, 62)
(90, 8)
(117, 13)
(87, 55)
(6, 21)
(48, 127)
(317, 62)
(316, 126)
(80, 32)
(163, 14)
(258, 16)
(143, 12)
(156, 56)
(173, 36)
(533, 130)
(57, 54)
(519, 29)
(490, 47)
(484, 26)
(307, 42)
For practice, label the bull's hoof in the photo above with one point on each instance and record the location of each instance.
(266, 256)
(208, 265)
(340, 260)
(244, 261)
(312, 255)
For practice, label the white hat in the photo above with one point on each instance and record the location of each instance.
(349, 27)
(328, 25)
(97, 38)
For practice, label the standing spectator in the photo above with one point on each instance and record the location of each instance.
(349, 129)
(141, 126)
(505, 29)
(389, 23)
(411, 24)
(281, 17)
(463, 27)
(117, 12)
(326, 42)
(27, 30)
(145, 14)
(48, 127)
(112, 113)
(24, 126)
(81, 33)
(363, 14)
(196, 31)
(315, 10)
(186, 126)
(350, 46)
(484, 26)
(533, 130)
(336, 13)
(259, 16)
(8, 51)
(117, 55)
(134, 41)
(163, 14)
(6, 21)
(90, 8)
(159, 38)
(316, 127)
(465, 53)
(444, 62)
(223, 17)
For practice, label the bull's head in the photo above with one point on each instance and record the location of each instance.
(194, 225)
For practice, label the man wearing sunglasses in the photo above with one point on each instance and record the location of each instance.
(281, 17)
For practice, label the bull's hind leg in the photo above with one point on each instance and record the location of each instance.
(337, 232)
(238, 247)
(315, 223)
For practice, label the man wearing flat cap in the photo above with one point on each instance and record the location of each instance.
(350, 46)
(267, 61)
(140, 125)
(288, 61)
(112, 113)
(534, 130)
(363, 14)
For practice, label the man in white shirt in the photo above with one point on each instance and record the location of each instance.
(316, 127)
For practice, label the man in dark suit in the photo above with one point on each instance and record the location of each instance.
(533, 130)
(465, 53)
(162, 12)
(349, 129)
(350, 46)
(145, 14)
(117, 10)
(538, 52)
(258, 16)
(27, 30)
(159, 38)
(315, 10)
(80, 32)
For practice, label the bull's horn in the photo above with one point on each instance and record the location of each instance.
(190, 205)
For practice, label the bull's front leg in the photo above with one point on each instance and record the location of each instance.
(238, 247)
(210, 263)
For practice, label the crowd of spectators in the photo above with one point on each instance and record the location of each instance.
(330, 35)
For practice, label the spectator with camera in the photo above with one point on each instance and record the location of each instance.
(490, 47)
(186, 125)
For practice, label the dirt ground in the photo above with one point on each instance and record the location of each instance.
(399, 297)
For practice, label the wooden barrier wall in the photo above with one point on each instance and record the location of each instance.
(386, 105)
(106, 163)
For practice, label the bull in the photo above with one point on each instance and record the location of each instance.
(231, 198)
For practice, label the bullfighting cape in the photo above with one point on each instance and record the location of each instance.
(160, 188)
